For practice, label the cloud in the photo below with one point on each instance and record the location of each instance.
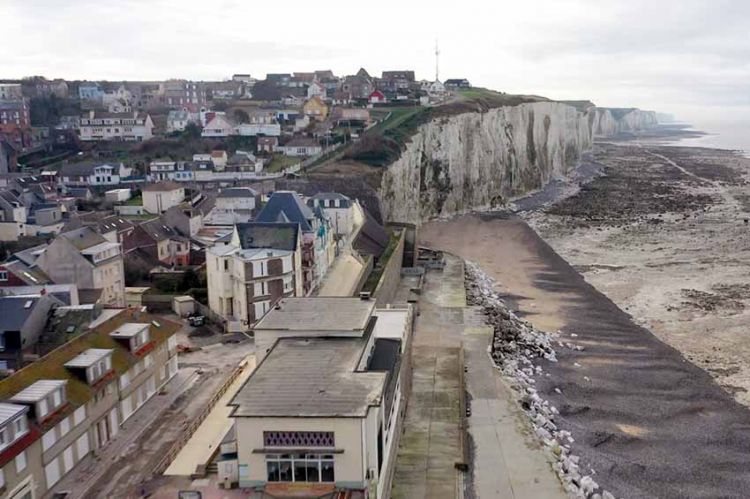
(667, 55)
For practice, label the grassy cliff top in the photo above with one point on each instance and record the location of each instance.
(383, 143)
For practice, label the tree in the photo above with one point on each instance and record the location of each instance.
(192, 131)
(241, 116)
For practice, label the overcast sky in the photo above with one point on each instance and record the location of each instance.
(689, 57)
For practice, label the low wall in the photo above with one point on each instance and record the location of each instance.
(387, 286)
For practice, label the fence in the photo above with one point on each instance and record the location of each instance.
(192, 427)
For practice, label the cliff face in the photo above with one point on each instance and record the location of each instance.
(609, 122)
(476, 161)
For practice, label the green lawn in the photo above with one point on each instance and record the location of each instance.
(136, 201)
(279, 162)
(398, 115)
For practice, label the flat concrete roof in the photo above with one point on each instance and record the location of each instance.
(310, 377)
(319, 314)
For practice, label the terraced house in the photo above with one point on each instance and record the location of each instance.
(57, 411)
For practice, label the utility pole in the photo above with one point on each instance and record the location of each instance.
(437, 61)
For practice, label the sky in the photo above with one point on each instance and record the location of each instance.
(690, 58)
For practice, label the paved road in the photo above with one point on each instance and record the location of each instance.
(649, 422)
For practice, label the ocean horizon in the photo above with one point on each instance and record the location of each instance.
(731, 135)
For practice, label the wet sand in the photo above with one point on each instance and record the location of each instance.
(649, 422)
(665, 235)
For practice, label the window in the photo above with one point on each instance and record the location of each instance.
(48, 439)
(124, 381)
(64, 427)
(80, 415)
(56, 398)
(20, 426)
(148, 361)
(2, 478)
(3, 438)
(300, 468)
(3, 275)
(21, 462)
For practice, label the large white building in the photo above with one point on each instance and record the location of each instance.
(161, 196)
(127, 127)
(322, 412)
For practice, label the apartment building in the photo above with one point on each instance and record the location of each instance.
(247, 275)
(318, 244)
(72, 401)
(183, 94)
(344, 438)
(127, 127)
(85, 258)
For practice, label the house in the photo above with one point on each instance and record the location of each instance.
(13, 216)
(219, 159)
(179, 119)
(316, 90)
(436, 89)
(359, 86)
(11, 91)
(160, 242)
(15, 123)
(181, 94)
(127, 127)
(261, 264)
(349, 115)
(90, 91)
(318, 245)
(315, 108)
(355, 360)
(72, 401)
(237, 198)
(92, 174)
(377, 97)
(159, 197)
(457, 83)
(301, 146)
(272, 128)
(218, 126)
(233, 205)
(22, 321)
(341, 98)
(340, 208)
(301, 122)
(397, 80)
(85, 258)
(15, 273)
(267, 144)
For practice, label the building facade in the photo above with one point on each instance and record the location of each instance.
(73, 401)
(127, 127)
(259, 266)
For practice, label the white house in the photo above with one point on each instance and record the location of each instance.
(253, 129)
(127, 127)
(316, 90)
(92, 174)
(219, 126)
(178, 120)
(301, 146)
(159, 197)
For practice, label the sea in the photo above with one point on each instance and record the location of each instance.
(733, 135)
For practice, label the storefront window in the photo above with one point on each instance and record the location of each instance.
(300, 468)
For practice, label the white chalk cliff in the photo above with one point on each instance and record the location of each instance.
(481, 160)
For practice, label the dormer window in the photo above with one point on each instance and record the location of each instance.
(135, 334)
(46, 396)
(13, 424)
(92, 364)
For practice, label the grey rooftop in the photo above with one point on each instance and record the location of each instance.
(310, 377)
(319, 314)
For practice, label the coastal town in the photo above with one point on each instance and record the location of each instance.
(187, 308)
